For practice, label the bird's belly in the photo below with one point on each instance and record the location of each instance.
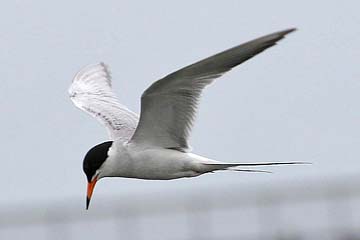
(159, 165)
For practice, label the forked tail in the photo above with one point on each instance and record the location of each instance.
(216, 166)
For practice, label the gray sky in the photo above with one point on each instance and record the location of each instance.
(297, 101)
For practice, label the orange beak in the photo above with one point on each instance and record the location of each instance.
(90, 189)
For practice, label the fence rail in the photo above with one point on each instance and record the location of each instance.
(274, 210)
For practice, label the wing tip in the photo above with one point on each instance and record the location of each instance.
(107, 71)
(288, 30)
(270, 40)
(90, 69)
(277, 36)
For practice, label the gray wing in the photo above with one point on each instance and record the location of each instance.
(169, 105)
(91, 91)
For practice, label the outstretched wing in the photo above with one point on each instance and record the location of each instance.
(169, 105)
(91, 91)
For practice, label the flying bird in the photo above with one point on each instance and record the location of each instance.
(155, 144)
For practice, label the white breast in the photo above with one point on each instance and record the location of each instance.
(154, 163)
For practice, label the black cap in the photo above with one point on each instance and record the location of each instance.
(94, 158)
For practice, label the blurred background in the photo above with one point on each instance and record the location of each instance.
(298, 101)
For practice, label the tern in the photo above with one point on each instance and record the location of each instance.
(155, 144)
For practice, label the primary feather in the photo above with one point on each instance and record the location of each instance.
(91, 91)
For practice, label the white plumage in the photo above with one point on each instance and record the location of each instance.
(91, 91)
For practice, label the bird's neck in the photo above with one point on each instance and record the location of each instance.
(117, 164)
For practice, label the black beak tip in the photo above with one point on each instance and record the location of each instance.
(87, 203)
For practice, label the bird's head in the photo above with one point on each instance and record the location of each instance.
(93, 161)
